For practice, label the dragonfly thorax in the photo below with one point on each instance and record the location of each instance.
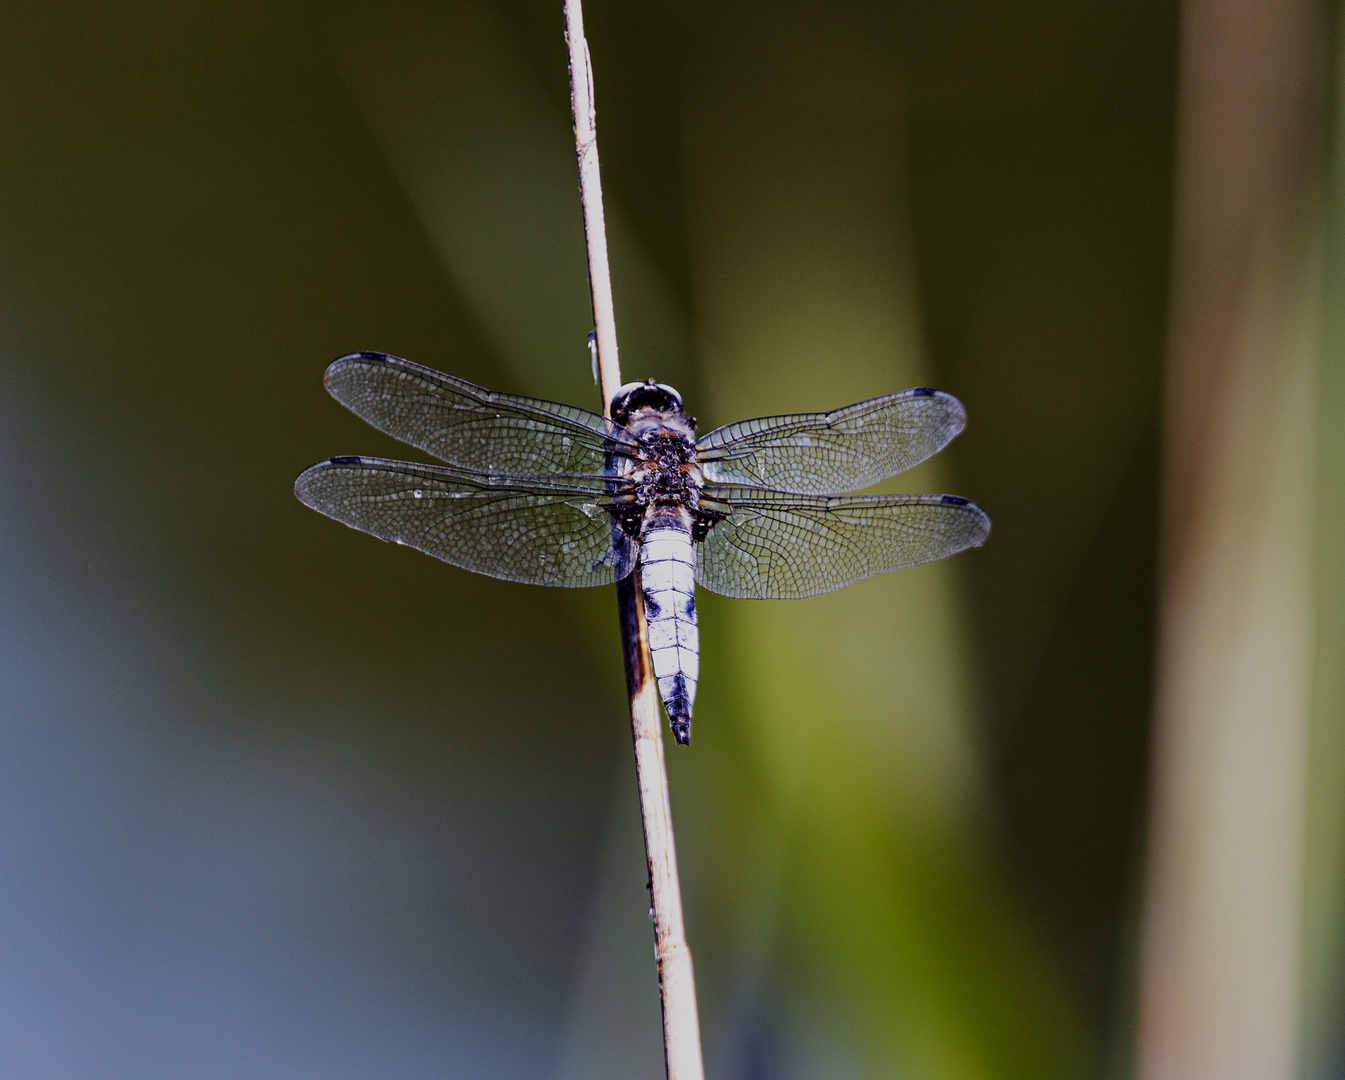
(664, 472)
(661, 468)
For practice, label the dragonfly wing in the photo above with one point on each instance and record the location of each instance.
(844, 450)
(780, 546)
(529, 529)
(467, 426)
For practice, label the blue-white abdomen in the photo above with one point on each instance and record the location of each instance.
(668, 581)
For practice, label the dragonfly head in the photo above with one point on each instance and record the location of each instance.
(644, 395)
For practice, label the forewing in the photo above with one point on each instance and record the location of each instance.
(468, 426)
(826, 453)
(776, 545)
(518, 528)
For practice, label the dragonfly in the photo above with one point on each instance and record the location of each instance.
(549, 494)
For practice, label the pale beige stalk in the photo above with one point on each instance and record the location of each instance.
(1219, 956)
(677, 986)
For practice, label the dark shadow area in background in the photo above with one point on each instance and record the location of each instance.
(1073, 760)
(1041, 172)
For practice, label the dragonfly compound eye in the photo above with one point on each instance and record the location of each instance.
(646, 395)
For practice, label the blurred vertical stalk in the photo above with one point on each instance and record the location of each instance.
(1322, 1040)
(677, 986)
(1220, 949)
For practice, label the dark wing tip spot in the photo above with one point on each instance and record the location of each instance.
(923, 391)
(977, 516)
(364, 356)
(347, 459)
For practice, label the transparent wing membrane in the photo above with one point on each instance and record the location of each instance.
(529, 485)
(826, 453)
(538, 530)
(468, 426)
(780, 546)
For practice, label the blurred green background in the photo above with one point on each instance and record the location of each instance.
(277, 800)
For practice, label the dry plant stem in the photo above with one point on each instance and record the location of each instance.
(677, 986)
